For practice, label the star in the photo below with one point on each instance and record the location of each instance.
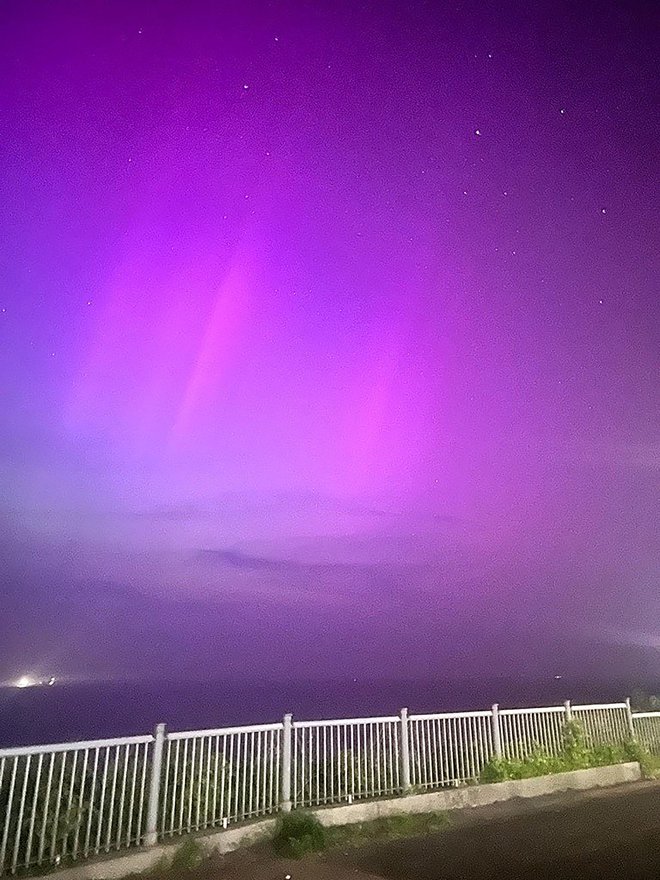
(477, 132)
(602, 210)
(562, 111)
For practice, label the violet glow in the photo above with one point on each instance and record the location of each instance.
(327, 332)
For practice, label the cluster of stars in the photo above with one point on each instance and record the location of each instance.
(477, 132)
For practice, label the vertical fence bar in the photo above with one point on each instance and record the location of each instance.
(629, 718)
(90, 810)
(10, 798)
(285, 796)
(81, 802)
(67, 814)
(190, 795)
(55, 826)
(19, 823)
(111, 801)
(151, 830)
(245, 769)
(404, 756)
(33, 815)
(131, 803)
(8, 809)
(122, 797)
(495, 721)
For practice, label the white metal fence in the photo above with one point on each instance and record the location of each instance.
(213, 777)
(523, 731)
(647, 730)
(62, 803)
(449, 749)
(609, 724)
(71, 801)
(335, 761)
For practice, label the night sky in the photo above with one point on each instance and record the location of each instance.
(329, 338)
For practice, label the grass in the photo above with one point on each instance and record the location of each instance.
(299, 833)
(652, 767)
(188, 856)
(576, 754)
(386, 828)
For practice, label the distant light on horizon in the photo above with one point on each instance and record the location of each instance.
(25, 681)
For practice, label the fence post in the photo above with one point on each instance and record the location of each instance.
(568, 711)
(151, 828)
(404, 755)
(631, 722)
(285, 797)
(497, 739)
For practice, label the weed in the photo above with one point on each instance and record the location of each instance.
(188, 856)
(298, 833)
(387, 828)
(576, 754)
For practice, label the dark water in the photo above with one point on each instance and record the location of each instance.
(66, 713)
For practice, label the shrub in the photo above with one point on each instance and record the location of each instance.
(188, 856)
(298, 833)
(496, 770)
(386, 828)
(574, 748)
(575, 755)
(633, 751)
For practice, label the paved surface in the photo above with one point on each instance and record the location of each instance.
(603, 834)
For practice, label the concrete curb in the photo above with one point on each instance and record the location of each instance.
(363, 811)
(482, 795)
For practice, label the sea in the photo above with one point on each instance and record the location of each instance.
(74, 712)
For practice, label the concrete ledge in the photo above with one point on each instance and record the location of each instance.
(230, 839)
(481, 795)
(111, 868)
(137, 860)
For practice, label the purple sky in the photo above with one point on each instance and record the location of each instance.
(329, 337)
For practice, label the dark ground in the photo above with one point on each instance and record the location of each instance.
(592, 835)
(581, 836)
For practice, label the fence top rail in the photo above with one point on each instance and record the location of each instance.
(483, 713)
(222, 731)
(339, 722)
(646, 714)
(537, 710)
(17, 751)
(599, 706)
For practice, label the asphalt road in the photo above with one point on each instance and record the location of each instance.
(602, 834)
